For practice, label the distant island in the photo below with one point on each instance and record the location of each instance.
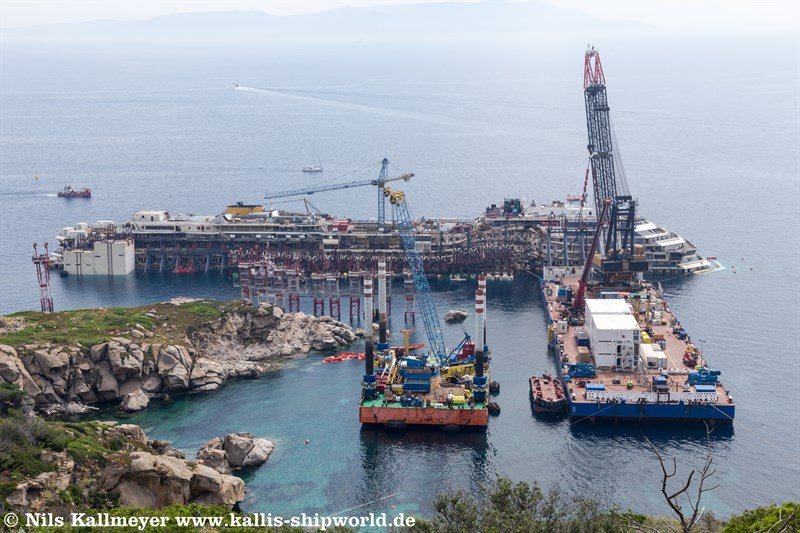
(496, 19)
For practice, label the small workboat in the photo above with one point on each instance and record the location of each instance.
(69, 192)
(316, 165)
(547, 395)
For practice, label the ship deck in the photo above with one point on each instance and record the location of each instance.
(546, 389)
(618, 381)
(435, 410)
(378, 402)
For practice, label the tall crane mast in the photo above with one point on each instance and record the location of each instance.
(383, 179)
(621, 224)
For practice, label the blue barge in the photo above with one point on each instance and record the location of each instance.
(627, 358)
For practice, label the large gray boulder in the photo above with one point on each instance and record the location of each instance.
(230, 492)
(142, 479)
(455, 315)
(106, 385)
(152, 383)
(245, 450)
(126, 362)
(235, 450)
(207, 375)
(9, 371)
(213, 456)
(174, 363)
(135, 401)
(53, 362)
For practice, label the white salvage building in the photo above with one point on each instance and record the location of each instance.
(106, 258)
(613, 333)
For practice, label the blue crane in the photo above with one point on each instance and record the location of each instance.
(383, 178)
(428, 310)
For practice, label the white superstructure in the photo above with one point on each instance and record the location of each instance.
(106, 258)
(613, 333)
(668, 253)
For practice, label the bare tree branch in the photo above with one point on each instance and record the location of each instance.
(694, 500)
(643, 528)
(788, 521)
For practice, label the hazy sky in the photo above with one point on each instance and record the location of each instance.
(674, 15)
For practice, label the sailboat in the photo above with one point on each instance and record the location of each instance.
(316, 166)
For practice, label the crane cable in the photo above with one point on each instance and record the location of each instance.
(622, 179)
(362, 172)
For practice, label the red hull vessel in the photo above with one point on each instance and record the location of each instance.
(69, 192)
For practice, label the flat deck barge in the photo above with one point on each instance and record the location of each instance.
(401, 388)
(547, 395)
(436, 408)
(628, 358)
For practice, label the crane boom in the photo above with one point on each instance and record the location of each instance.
(427, 308)
(334, 186)
(577, 303)
(382, 179)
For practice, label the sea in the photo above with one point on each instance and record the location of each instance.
(708, 132)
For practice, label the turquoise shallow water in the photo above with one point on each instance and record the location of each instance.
(710, 151)
(345, 466)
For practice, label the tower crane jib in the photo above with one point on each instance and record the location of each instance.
(383, 179)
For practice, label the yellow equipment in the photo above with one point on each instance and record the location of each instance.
(456, 371)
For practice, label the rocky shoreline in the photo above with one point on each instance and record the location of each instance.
(137, 365)
(142, 472)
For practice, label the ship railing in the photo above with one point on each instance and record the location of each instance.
(650, 397)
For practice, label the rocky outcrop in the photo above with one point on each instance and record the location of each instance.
(136, 368)
(234, 451)
(30, 494)
(142, 479)
(135, 401)
(10, 324)
(269, 334)
(143, 473)
(455, 315)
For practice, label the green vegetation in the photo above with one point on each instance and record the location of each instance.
(93, 326)
(520, 507)
(512, 508)
(85, 326)
(775, 518)
(10, 397)
(23, 438)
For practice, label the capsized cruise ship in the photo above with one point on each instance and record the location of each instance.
(565, 230)
(517, 235)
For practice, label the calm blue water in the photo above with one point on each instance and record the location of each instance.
(711, 151)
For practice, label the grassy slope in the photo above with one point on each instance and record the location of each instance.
(92, 326)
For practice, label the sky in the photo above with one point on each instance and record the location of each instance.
(718, 16)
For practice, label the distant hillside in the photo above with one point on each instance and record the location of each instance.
(372, 23)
